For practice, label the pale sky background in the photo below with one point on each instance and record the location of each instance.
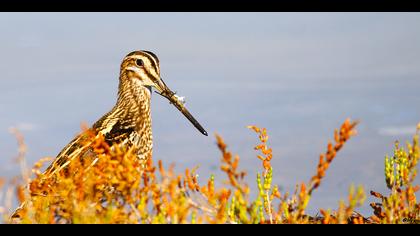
(297, 74)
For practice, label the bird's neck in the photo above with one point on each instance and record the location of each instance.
(133, 106)
(129, 122)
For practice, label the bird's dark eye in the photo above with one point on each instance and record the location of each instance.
(139, 62)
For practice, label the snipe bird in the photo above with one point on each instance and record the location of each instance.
(129, 122)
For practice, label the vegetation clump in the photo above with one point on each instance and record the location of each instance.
(116, 188)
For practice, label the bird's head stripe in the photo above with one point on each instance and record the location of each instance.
(151, 59)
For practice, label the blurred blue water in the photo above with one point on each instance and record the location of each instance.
(297, 74)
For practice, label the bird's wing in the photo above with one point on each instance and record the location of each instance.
(78, 147)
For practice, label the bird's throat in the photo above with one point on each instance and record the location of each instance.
(129, 122)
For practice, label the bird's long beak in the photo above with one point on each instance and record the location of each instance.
(163, 90)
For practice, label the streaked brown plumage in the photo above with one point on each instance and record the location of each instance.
(129, 121)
